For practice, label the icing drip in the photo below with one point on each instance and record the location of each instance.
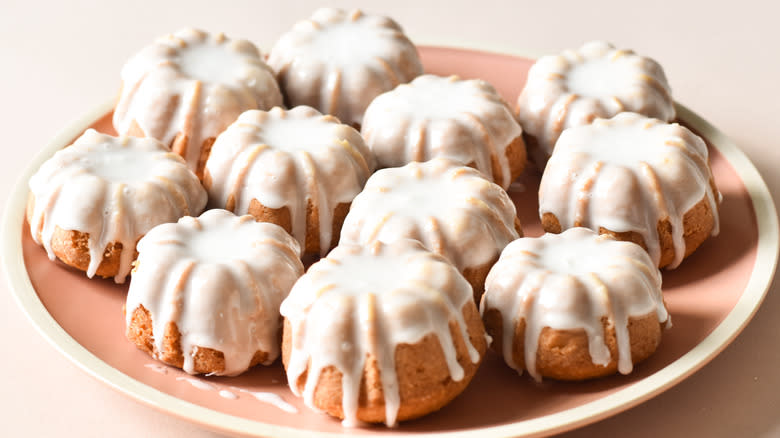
(627, 174)
(571, 281)
(220, 279)
(196, 383)
(289, 159)
(464, 120)
(339, 61)
(224, 393)
(157, 368)
(265, 397)
(597, 80)
(451, 209)
(113, 189)
(270, 398)
(361, 302)
(174, 88)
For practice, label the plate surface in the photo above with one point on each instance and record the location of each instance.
(711, 297)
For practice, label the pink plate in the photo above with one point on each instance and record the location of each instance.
(711, 297)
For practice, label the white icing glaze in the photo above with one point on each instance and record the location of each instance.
(211, 63)
(114, 190)
(597, 80)
(432, 116)
(367, 300)
(452, 209)
(600, 77)
(220, 279)
(119, 165)
(627, 174)
(193, 84)
(338, 61)
(571, 281)
(287, 159)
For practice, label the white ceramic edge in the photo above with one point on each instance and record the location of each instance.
(724, 333)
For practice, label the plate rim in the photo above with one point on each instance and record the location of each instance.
(729, 328)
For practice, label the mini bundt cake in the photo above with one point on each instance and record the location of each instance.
(339, 61)
(206, 292)
(450, 208)
(433, 116)
(574, 306)
(91, 202)
(576, 86)
(297, 168)
(186, 88)
(636, 178)
(381, 333)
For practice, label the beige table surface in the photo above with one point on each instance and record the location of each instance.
(59, 59)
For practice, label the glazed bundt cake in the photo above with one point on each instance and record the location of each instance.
(187, 87)
(339, 61)
(206, 292)
(636, 178)
(464, 120)
(381, 333)
(91, 202)
(297, 168)
(452, 209)
(577, 86)
(574, 305)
